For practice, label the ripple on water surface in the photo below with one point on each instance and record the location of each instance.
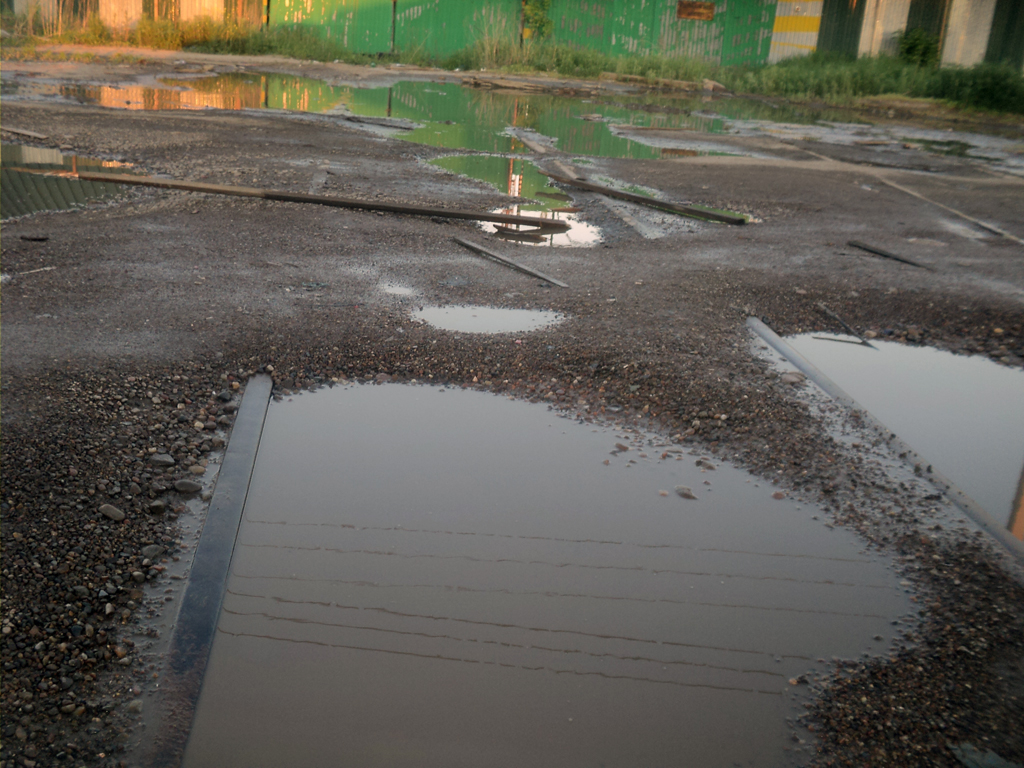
(429, 577)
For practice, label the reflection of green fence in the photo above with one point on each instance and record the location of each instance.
(739, 33)
(24, 193)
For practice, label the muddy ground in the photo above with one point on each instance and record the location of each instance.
(159, 302)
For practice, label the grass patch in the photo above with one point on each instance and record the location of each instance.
(839, 80)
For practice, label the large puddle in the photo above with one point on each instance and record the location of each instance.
(24, 190)
(965, 414)
(438, 577)
(582, 126)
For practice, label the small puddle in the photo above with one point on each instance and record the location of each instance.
(520, 178)
(439, 577)
(965, 414)
(394, 289)
(486, 319)
(24, 192)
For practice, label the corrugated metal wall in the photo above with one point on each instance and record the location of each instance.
(967, 29)
(841, 24)
(195, 9)
(796, 29)
(884, 20)
(739, 33)
(378, 26)
(929, 15)
(1006, 43)
(362, 26)
(440, 31)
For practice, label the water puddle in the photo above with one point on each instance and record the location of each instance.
(22, 192)
(578, 126)
(604, 125)
(520, 178)
(438, 577)
(394, 289)
(965, 414)
(486, 319)
(513, 176)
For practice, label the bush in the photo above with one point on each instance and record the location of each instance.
(916, 46)
(985, 86)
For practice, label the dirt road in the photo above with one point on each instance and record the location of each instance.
(152, 305)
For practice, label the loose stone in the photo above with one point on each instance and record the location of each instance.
(187, 486)
(109, 510)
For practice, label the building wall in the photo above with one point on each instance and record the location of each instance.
(1006, 43)
(967, 31)
(362, 26)
(739, 32)
(884, 20)
(795, 32)
(841, 24)
(195, 9)
(442, 27)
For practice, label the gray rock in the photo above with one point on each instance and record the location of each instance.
(109, 510)
(135, 706)
(151, 551)
(158, 507)
(197, 469)
(161, 460)
(793, 377)
(684, 492)
(187, 486)
(224, 396)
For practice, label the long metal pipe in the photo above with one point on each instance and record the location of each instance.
(965, 503)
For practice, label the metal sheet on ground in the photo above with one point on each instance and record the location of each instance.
(444, 577)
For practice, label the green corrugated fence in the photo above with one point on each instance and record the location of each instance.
(435, 27)
(740, 31)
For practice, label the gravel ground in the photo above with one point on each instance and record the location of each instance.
(123, 363)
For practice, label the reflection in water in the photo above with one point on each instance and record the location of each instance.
(1016, 524)
(23, 193)
(443, 110)
(428, 577)
(966, 414)
(486, 319)
(521, 178)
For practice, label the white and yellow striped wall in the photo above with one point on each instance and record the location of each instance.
(796, 29)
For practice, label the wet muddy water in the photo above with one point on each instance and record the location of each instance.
(520, 178)
(582, 126)
(964, 413)
(24, 189)
(438, 577)
(476, 319)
